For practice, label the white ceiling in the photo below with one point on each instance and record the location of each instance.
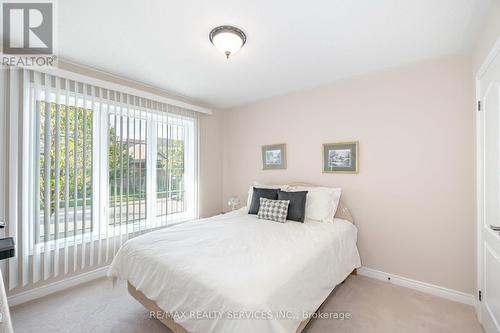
(292, 45)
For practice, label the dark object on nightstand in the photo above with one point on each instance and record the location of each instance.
(7, 248)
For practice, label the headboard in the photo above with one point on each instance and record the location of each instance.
(342, 210)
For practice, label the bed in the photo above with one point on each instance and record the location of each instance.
(236, 273)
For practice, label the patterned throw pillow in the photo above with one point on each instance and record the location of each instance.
(274, 210)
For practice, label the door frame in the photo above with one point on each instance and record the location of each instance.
(479, 118)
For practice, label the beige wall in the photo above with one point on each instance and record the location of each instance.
(413, 199)
(211, 134)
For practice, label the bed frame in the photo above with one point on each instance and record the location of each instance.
(342, 213)
(171, 324)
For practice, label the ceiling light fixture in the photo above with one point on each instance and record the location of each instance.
(227, 39)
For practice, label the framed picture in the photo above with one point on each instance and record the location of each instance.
(342, 157)
(274, 157)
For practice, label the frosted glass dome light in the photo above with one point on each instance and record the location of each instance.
(227, 39)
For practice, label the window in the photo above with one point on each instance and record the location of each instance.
(170, 171)
(132, 172)
(175, 168)
(64, 149)
(127, 161)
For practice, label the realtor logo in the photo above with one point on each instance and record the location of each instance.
(27, 28)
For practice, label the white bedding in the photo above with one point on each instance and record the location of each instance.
(235, 265)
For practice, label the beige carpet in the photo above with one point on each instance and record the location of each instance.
(375, 306)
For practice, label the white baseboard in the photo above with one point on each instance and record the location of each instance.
(427, 288)
(32, 294)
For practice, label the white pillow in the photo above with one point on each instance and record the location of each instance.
(259, 185)
(321, 202)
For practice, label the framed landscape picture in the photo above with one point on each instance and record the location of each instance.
(342, 157)
(274, 157)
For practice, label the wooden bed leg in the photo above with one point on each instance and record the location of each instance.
(354, 272)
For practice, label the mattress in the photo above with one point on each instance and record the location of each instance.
(236, 273)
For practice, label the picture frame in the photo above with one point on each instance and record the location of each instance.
(341, 157)
(273, 156)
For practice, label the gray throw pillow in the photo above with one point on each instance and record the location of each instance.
(268, 193)
(297, 207)
(273, 210)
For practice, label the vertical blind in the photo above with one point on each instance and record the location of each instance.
(89, 168)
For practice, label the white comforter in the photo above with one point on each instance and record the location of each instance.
(236, 273)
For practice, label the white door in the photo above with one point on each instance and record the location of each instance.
(488, 191)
